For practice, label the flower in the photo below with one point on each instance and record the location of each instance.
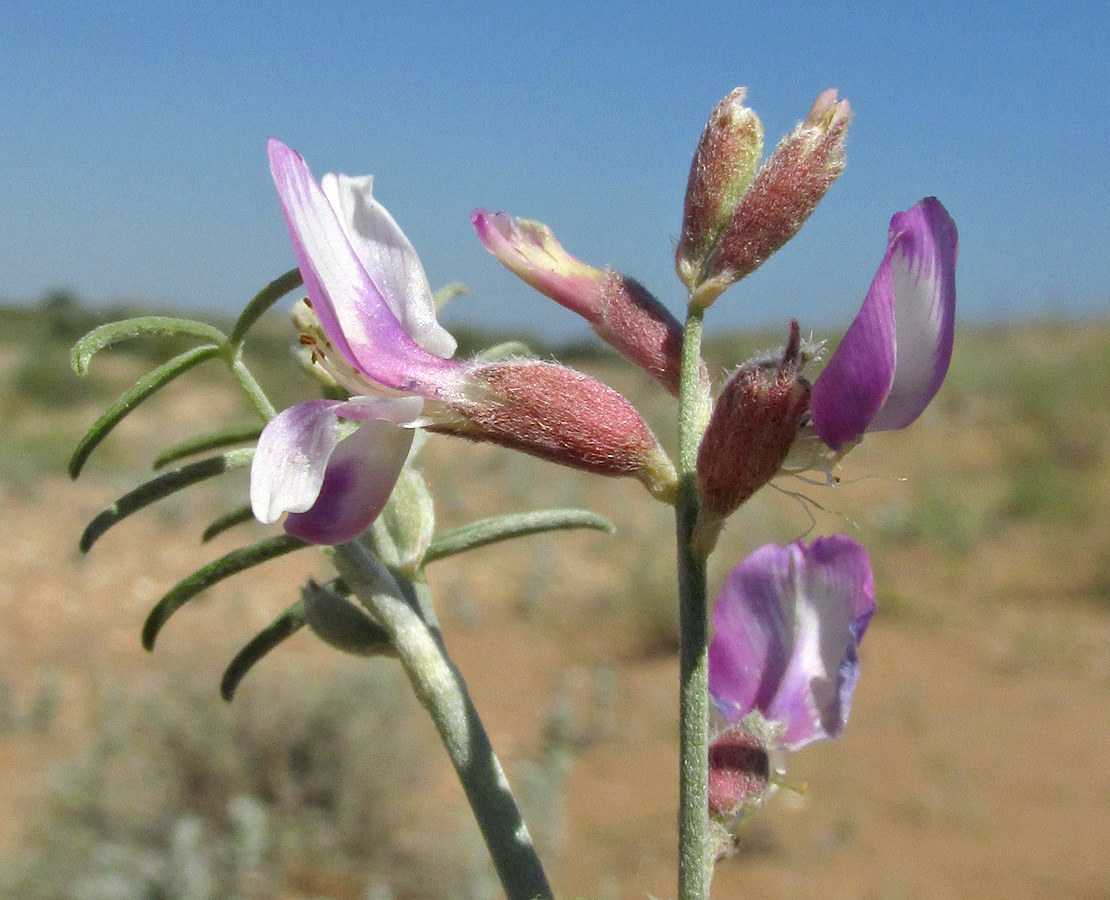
(373, 329)
(620, 310)
(789, 621)
(895, 354)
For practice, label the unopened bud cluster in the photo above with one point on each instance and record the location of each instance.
(734, 221)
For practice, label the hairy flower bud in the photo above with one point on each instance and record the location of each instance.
(338, 621)
(781, 197)
(751, 429)
(621, 311)
(739, 771)
(562, 415)
(724, 163)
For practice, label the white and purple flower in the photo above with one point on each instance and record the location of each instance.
(789, 621)
(332, 464)
(895, 355)
(377, 336)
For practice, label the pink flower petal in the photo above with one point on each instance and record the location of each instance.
(389, 259)
(360, 477)
(302, 467)
(292, 454)
(351, 308)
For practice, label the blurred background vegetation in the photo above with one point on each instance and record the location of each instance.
(987, 522)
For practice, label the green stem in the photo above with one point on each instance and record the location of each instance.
(252, 388)
(441, 690)
(693, 822)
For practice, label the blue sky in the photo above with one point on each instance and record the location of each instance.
(132, 161)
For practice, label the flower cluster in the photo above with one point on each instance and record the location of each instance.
(373, 330)
(789, 619)
(784, 662)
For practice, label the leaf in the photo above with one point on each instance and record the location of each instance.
(505, 350)
(447, 293)
(286, 624)
(262, 301)
(503, 528)
(126, 329)
(132, 397)
(160, 487)
(227, 565)
(227, 437)
(227, 521)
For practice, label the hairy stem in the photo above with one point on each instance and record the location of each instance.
(252, 388)
(442, 691)
(693, 821)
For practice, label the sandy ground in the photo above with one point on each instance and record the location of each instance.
(975, 763)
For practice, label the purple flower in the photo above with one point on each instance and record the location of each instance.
(895, 355)
(371, 326)
(788, 625)
(376, 334)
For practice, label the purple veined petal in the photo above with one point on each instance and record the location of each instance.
(923, 280)
(754, 632)
(351, 308)
(789, 622)
(834, 603)
(848, 394)
(389, 259)
(359, 479)
(298, 449)
(895, 355)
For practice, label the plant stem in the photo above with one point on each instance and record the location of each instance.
(252, 388)
(442, 691)
(693, 821)
(409, 618)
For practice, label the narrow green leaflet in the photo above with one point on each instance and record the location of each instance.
(447, 293)
(163, 486)
(262, 301)
(287, 623)
(214, 440)
(227, 521)
(503, 528)
(114, 332)
(230, 564)
(132, 397)
(505, 350)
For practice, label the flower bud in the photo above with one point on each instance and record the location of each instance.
(725, 161)
(620, 310)
(739, 772)
(562, 415)
(409, 520)
(781, 197)
(751, 429)
(339, 622)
